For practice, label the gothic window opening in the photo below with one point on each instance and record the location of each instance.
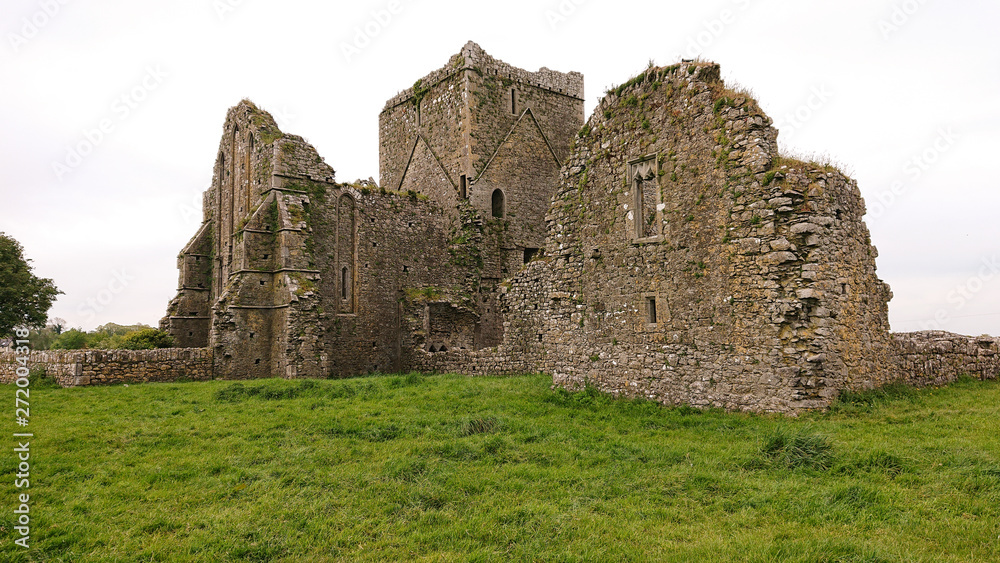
(645, 209)
(247, 172)
(498, 203)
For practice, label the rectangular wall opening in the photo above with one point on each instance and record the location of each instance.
(651, 310)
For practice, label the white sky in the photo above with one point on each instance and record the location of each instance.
(876, 83)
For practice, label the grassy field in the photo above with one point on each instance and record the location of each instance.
(447, 468)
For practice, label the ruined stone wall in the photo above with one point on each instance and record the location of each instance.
(72, 368)
(686, 263)
(395, 249)
(939, 358)
(663, 250)
(241, 183)
(246, 275)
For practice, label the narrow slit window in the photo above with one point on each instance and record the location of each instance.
(651, 310)
(513, 101)
(346, 253)
(498, 203)
(463, 187)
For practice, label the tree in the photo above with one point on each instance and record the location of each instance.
(45, 338)
(72, 339)
(25, 299)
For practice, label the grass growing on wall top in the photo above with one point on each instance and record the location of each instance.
(449, 468)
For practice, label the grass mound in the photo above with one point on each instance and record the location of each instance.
(798, 448)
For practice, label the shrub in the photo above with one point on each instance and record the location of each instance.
(147, 339)
(39, 378)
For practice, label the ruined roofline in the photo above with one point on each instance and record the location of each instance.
(725, 96)
(702, 71)
(474, 58)
(260, 119)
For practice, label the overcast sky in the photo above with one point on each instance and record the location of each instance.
(111, 113)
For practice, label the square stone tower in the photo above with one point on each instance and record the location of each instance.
(482, 132)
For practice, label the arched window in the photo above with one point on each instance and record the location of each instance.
(248, 172)
(498, 203)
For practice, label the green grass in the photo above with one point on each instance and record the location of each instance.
(447, 468)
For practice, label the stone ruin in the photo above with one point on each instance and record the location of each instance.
(661, 249)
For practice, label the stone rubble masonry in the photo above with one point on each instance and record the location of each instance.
(662, 249)
(938, 358)
(293, 274)
(73, 368)
(496, 126)
(686, 261)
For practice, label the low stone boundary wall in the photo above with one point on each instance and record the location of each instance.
(938, 357)
(72, 368)
(921, 359)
